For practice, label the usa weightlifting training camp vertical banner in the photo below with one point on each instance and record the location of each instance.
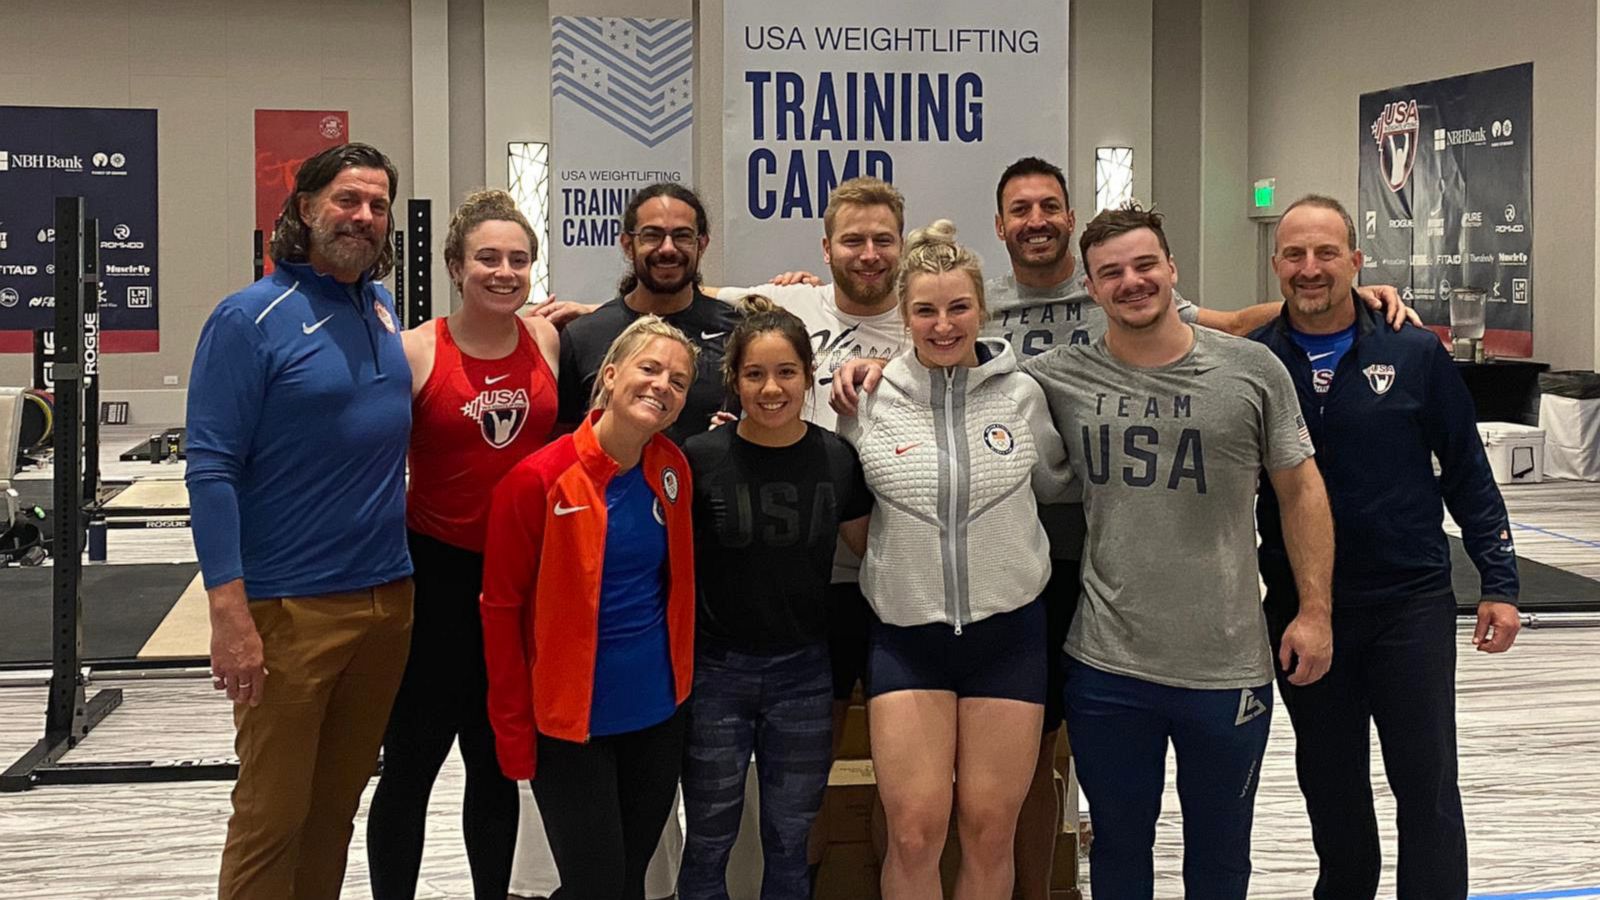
(935, 98)
(107, 156)
(1446, 198)
(285, 138)
(622, 116)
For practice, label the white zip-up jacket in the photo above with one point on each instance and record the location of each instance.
(955, 457)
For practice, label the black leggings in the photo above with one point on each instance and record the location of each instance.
(443, 695)
(604, 804)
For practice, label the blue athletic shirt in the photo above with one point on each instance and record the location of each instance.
(1324, 351)
(633, 666)
(299, 414)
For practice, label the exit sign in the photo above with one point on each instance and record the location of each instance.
(1265, 189)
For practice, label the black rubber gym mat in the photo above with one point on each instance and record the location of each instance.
(1544, 588)
(122, 606)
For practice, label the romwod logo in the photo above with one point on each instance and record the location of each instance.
(1395, 133)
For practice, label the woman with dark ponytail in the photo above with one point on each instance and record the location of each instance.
(771, 495)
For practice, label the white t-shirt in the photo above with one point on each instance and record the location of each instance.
(835, 336)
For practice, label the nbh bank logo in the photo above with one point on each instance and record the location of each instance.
(5, 161)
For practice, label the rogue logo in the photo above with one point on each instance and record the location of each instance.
(1395, 133)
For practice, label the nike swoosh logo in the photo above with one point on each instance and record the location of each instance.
(1315, 357)
(902, 449)
(567, 510)
(711, 335)
(495, 379)
(311, 329)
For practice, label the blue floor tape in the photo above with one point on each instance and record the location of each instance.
(1542, 895)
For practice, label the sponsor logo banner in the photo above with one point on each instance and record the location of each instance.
(1446, 196)
(108, 157)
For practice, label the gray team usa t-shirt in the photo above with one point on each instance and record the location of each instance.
(1032, 320)
(1169, 459)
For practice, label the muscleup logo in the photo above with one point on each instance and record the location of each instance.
(1395, 133)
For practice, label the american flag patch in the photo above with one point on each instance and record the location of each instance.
(1305, 433)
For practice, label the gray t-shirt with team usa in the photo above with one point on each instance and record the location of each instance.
(1169, 459)
(1032, 320)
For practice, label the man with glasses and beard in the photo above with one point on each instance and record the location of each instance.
(664, 234)
(300, 398)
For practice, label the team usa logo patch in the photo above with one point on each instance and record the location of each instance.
(1395, 133)
(998, 438)
(1381, 377)
(384, 319)
(669, 483)
(500, 415)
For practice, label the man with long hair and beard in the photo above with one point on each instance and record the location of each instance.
(664, 235)
(310, 622)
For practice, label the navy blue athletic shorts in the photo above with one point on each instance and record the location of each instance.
(1002, 656)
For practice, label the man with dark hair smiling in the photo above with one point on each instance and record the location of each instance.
(1168, 427)
(300, 394)
(664, 233)
(1381, 405)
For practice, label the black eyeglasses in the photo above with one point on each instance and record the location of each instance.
(683, 238)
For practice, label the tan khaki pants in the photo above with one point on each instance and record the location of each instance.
(305, 754)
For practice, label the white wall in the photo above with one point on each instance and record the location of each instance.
(206, 66)
(1309, 64)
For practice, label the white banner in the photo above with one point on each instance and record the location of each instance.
(621, 117)
(936, 98)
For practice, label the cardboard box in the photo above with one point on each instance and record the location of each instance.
(848, 872)
(855, 742)
(847, 805)
(1064, 869)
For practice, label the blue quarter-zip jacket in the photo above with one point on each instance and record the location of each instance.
(1396, 399)
(299, 414)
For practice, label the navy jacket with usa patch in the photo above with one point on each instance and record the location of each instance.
(1395, 401)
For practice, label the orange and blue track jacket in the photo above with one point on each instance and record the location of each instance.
(541, 587)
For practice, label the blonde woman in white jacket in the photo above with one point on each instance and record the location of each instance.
(955, 443)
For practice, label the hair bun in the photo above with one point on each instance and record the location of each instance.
(751, 304)
(939, 231)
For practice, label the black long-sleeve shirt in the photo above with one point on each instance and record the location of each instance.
(1396, 401)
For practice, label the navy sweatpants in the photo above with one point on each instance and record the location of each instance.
(780, 706)
(1120, 729)
(1394, 665)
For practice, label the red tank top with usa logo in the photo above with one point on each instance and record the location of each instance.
(472, 421)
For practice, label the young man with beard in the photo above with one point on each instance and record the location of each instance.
(1168, 428)
(310, 626)
(1381, 406)
(664, 233)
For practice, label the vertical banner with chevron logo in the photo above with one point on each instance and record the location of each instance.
(937, 98)
(621, 117)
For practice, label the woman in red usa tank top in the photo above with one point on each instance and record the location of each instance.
(483, 398)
